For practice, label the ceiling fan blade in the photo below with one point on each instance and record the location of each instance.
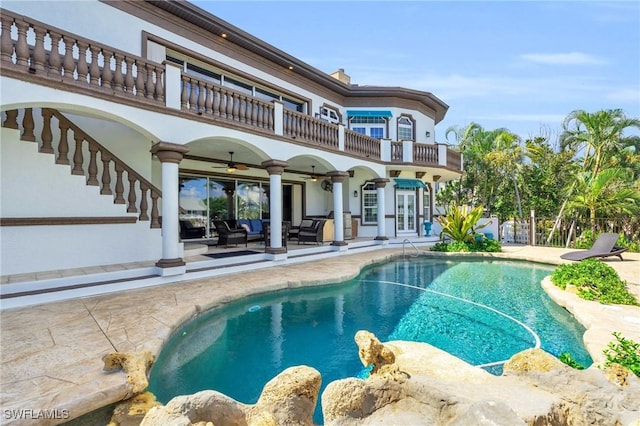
(241, 167)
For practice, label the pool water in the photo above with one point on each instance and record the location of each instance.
(237, 349)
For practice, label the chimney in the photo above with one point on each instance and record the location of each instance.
(340, 75)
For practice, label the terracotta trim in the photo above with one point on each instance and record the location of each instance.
(170, 263)
(274, 167)
(194, 23)
(52, 221)
(169, 152)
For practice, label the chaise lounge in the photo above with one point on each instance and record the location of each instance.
(604, 246)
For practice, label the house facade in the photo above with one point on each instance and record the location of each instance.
(122, 118)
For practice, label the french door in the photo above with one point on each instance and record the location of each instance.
(406, 212)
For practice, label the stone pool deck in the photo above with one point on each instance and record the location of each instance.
(51, 355)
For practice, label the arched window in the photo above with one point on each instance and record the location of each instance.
(405, 128)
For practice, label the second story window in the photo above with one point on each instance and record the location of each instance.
(405, 129)
(370, 126)
(329, 114)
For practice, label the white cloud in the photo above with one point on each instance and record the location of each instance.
(625, 95)
(571, 58)
(534, 118)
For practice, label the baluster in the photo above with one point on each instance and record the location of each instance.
(93, 165)
(22, 48)
(131, 208)
(28, 126)
(217, 100)
(201, 94)
(151, 87)
(107, 74)
(55, 62)
(68, 62)
(119, 185)
(159, 88)
(208, 101)
(47, 135)
(94, 69)
(118, 78)
(143, 202)
(228, 98)
(63, 145)
(192, 96)
(183, 94)
(82, 68)
(11, 122)
(6, 43)
(106, 174)
(236, 106)
(78, 159)
(155, 216)
(270, 117)
(255, 106)
(139, 79)
(242, 108)
(39, 56)
(260, 115)
(128, 78)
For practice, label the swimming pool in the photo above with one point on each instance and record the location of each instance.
(240, 347)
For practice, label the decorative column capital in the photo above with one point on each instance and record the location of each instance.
(169, 152)
(274, 167)
(337, 177)
(381, 182)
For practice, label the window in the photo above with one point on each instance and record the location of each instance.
(329, 114)
(426, 204)
(371, 126)
(376, 132)
(405, 129)
(369, 204)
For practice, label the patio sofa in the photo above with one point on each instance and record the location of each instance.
(229, 236)
(253, 227)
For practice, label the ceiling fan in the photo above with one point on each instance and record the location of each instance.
(231, 166)
(313, 177)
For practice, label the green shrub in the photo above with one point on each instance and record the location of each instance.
(632, 245)
(586, 239)
(566, 358)
(482, 245)
(625, 352)
(460, 223)
(594, 280)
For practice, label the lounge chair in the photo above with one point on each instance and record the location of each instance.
(604, 246)
(188, 231)
(312, 234)
(228, 236)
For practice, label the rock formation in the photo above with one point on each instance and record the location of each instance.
(289, 399)
(432, 387)
(135, 365)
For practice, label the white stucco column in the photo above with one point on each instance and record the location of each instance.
(338, 219)
(382, 233)
(170, 155)
(275, 169)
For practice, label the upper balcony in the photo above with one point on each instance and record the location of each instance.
(42, 54)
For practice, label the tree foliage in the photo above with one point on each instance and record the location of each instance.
(593, 170)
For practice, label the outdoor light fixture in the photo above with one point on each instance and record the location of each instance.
(231, 169)
(355, 194)
(428, 134)
(313, 179)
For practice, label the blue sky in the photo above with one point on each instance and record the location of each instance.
(519, 65)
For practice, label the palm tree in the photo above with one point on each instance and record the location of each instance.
(604, 194)
(507, 154)
(600, 135)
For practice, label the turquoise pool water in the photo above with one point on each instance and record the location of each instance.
(238, 348)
